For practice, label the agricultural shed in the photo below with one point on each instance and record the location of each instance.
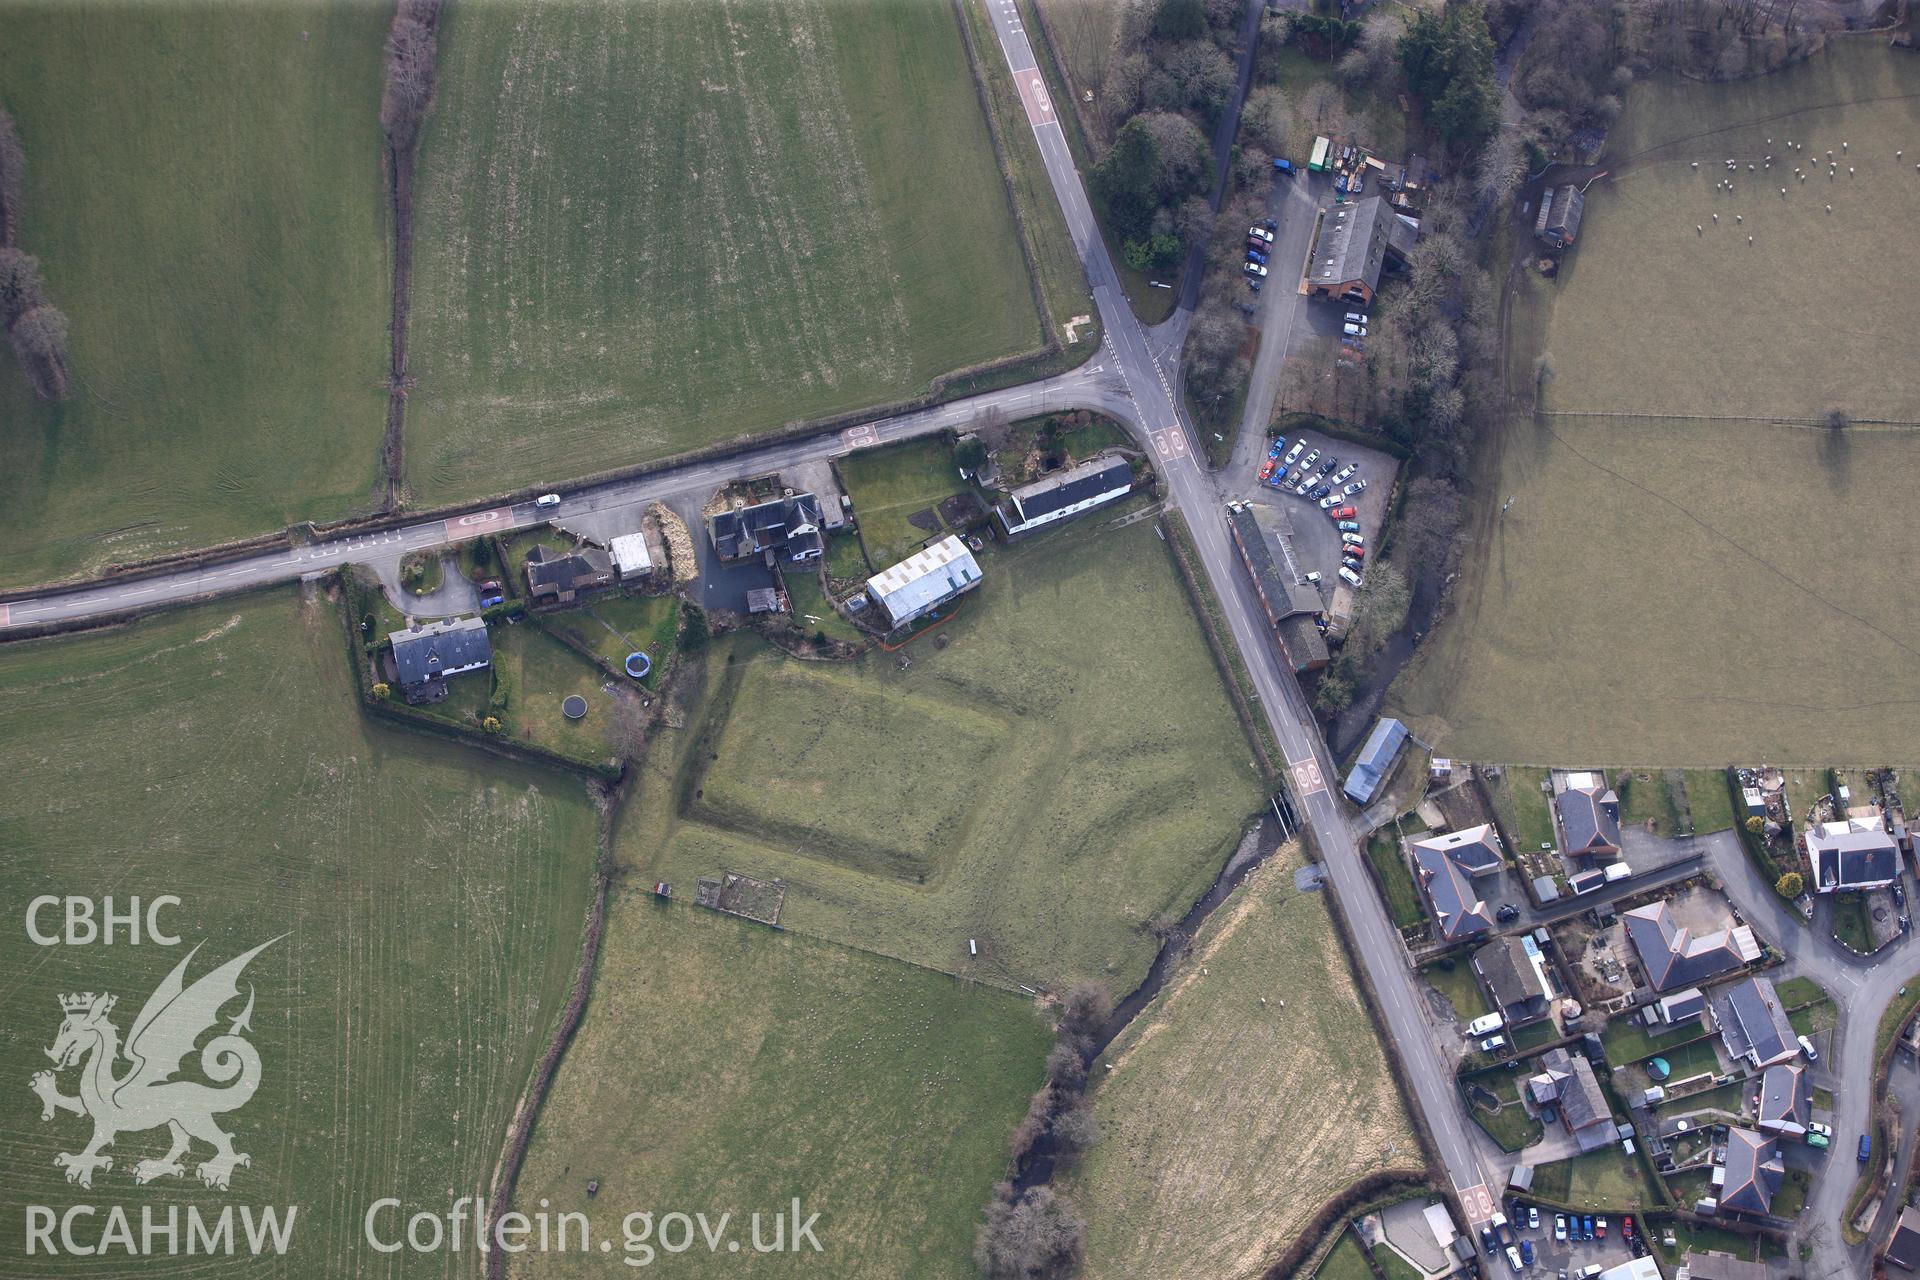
(925, 580)
(1375, 761)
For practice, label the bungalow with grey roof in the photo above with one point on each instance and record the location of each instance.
(558, 577)
(1589, 822)
(1752, 1174)
(1855, 854)
(1753, 1025)
(1447, 866)
(1786, 1100)
(1673, 956)
(1512, 974)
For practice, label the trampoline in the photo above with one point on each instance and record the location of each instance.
(638, 664)
(574, 708)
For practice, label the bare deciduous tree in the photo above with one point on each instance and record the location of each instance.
(39, 339)
(13, 178)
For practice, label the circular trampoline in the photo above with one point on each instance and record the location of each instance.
(1659, 1068)
(638, 664)
(574, 708)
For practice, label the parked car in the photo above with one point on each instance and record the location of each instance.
(1346, 472)
(1600, 1228)
(1526, 1252)
(1283, 166)
(1586, 1227)
(491, 594)
(1513, 1259)
(1493, 1044)
(1278, 447)
(1356, 317)
(1486, 1024)
(1310, 459)
(1533, 1220)
(1328, 464)
(1261, 233)
(547, 501)
(1507, 912)
(1255, 270)
(1824, 1130)
(1256, 257)
(1304, 487)
(1355, 539)
(1299, 447)
(1348, 526)
(1353, 330)
(1326, 503)
(1866, 1148)
(1819, 1141)
(1349, 577)
(1356, 487)
(1342, 513)
(1559, 1226)
(1253, 283)
(1348, 562)
(1321, 492)
(1313, 576)
(1806, 1047)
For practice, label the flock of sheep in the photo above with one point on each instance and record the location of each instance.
(1799, 174)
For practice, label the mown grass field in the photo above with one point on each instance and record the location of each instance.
(431, 900)
(643, 229)
(1064, 773)
(204, 194)
(1653, 317)
(727, 1067)
(1685, 593)
(1225, 1122)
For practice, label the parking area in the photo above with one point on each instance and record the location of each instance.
(1316, 536)
(1564, 1244)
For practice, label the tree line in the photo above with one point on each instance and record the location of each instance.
(36, 329)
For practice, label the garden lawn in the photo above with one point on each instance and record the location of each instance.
(1458, 986)
(423, 902)
(1204, 1167)
(896, 494)
(613, 626)
(1709, 800)
(205, 196)
(1046, 789)
(1346, 1262)
(1396, 882)
(1608, 1179)
(729, 1067)
(647, 228)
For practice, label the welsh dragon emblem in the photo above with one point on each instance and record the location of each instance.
(146, 1095)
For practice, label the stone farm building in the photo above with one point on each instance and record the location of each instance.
(1065, 494)
(925, 580)
(424, 656)
(1559, 220)
(1354, 244)
(1292, 604)
(784, 529)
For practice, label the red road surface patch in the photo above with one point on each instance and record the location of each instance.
(1170, 442)
(1033, 96)
(475, 523)
(863, 436)
(1306, 776)
(1478, 1203)
(6, 613)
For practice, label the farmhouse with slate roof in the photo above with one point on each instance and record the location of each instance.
(1065, 494)
(1350, 251)
(785, 529)
(1559, 220)
(425, 656)
(558, 577)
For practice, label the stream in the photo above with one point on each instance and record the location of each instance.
(1036, 1169)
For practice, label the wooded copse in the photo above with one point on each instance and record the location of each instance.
(36, 329)
(411, 50)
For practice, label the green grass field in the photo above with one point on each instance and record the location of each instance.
(1655, 318)
(1061, 786)
(613, 626)
(727, 1067)
(1605, 1179)
(537, 673)
(1346, 1262)
(1225, 1121)
(1649, 570)
(1396, 882)
(1709, 801)
(431, 900)
(643, 229)
(896, 494)
(204, 194)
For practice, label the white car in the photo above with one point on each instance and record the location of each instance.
(1305, 486)
(1485, 1024)
(1492, 1044)
(1806, 1047)
(1353, 330)
(1824, 1130)
(1354, 488)
(1354, 539)
(547, 501)
(1310, 459)
(1356, 317)
(1299, 447)
(1345, 473)
(1260, 233)
(1349, 577)
(1255, 269)
(1329, 502)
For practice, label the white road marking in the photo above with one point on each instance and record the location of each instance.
(1306, 776)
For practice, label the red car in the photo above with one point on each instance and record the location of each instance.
(1341, 513)
(1266, 468)
(1358, 553)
